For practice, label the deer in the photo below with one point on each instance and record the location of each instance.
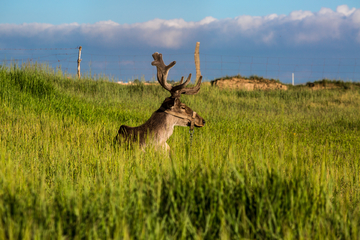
(172, 112)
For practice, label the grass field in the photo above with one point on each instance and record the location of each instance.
(267, 164)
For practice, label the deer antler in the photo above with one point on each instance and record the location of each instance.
(162, 73)
(162, 70)
(192, 91)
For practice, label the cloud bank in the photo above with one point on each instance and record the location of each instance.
(326, 29)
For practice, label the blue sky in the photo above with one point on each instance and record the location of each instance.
(261, 29)
(135, 11)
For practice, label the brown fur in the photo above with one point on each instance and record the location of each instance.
(159, 127)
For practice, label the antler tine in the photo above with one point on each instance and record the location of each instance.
(182, 85)
(162, 73)
(162, 70)
(192, 91)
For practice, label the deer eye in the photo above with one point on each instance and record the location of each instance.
(182, 107)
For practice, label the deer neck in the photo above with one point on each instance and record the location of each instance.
(160, 126)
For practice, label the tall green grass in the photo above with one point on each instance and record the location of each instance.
(267, 164)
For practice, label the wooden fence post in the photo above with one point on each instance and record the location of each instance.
(78, 63)
(197, 62)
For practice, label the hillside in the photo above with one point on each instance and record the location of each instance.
(267, 164)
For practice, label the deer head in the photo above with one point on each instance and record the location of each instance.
(172, 105)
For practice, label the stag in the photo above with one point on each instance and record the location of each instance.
(172, 112)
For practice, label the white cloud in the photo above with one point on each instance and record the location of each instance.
(207, 20)
(300, 15)
(324, 11)
(271, 16)
(299, 28)
(356, 17)
(249, 22)
(344, 9)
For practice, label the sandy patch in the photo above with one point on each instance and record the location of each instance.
(249, 85)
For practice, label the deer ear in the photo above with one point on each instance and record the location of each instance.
(175, 104)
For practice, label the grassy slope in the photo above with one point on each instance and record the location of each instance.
(281, 164)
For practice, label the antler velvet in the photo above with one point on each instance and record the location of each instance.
(162, 73)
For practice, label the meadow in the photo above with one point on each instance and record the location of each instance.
(267, 164)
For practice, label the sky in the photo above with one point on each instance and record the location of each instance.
(137, 11)
(271, 29)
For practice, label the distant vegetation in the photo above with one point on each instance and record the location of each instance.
(325, 83)
(252, 77)
(339, 83)
(267, 164)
